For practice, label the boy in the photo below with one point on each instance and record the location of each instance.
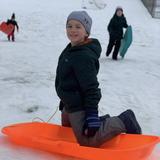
(77, 87)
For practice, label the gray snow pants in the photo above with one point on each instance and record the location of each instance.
(110, 127)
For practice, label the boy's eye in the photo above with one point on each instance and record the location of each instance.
(69, 26)
(78, 27)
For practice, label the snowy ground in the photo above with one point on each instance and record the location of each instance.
(27, 67)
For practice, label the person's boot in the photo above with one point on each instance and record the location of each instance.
(107, 53)
(115, 55)
(114, 58)
(13, 39)
(8, 38)
(130, 122)
(103, 118)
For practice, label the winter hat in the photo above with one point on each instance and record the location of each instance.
(83, 18)
(119, 8)
(13, 16)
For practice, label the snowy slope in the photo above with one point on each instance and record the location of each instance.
(27, 67)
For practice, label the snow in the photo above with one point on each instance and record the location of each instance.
(27, 67)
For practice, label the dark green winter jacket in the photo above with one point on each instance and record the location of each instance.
(116, 26)
(76, 76)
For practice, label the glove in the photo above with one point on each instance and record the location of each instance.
(92, 123)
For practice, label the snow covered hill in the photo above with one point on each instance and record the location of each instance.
(27, 66)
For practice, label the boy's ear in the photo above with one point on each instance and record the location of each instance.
(87, 35)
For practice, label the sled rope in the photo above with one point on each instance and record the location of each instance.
(40, 119)
(53, 114)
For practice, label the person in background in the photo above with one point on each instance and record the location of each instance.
(12, 21)
(78, 88)
(115, 29)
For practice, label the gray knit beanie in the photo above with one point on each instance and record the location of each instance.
(83, 18)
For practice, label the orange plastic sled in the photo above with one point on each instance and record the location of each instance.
(58, 139)
(7, 29)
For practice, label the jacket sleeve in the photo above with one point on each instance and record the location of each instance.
(110, 26)
(56, 82)
(125, 25)
(61, 105)
(86, 74)
(16, 24)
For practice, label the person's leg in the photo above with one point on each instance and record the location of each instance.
(110, 127)
(129, 119)
(110, 46)
(65, 119)
(8, 37)
(13, 38)
(77, 120)
(103, 118)
(116, 49)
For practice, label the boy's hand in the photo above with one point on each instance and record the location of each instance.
(92, 123)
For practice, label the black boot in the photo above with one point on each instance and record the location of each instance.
(8, 38)
(114, 58)
(103, 118)
(107, 54)
(130, 122)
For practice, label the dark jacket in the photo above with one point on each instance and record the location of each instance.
(116, 26)
(13, 22)
(76, 76)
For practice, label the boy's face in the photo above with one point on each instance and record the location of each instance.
(76, 32)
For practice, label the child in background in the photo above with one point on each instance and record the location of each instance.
(77, 87)
(115, 29)
(14, 23)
